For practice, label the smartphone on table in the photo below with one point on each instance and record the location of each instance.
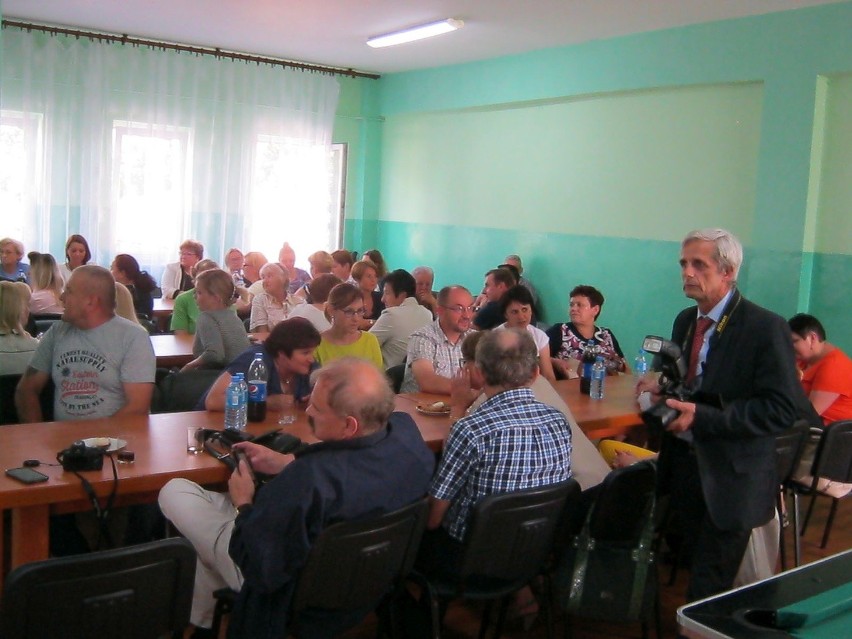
(26, 475)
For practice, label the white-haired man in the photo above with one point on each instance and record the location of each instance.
(718, 455)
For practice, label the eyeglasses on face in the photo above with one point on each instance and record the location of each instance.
(352, 312)
(458, 308)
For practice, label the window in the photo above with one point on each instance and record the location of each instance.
(21, 175)
(151, 189)
(297, 195)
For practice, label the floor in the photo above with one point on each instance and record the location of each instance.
(463, 619)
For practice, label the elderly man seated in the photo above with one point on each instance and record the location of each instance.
(510, 442)
(369, 461)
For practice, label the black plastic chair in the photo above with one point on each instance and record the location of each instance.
(351, 568)
(610, 571)
(508, 543)
(789, 446)
(180, 391)
(134, 592)
(8, 411)
(44, 321)
(396, 374)
(833, 461)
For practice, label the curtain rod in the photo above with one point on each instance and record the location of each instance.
(174, 46)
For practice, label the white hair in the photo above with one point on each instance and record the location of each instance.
(728, 253)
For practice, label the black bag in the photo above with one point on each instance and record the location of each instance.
(608, 580)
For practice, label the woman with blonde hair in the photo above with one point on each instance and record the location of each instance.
(219, 334)
(344, 309)
(275, 303)
(124, 303)
(46, 283)
(16, 345)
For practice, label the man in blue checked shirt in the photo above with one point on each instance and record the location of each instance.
(511, 442)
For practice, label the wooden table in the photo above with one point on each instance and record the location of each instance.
(613, 415)
(172, 350)
(162, 313)
(159, 442)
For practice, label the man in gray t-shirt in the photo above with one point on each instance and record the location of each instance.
(101, 364)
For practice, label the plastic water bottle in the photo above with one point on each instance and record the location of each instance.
(235, 411)
(243, 402)
(598, 377)
(589, 352)
(640, 365)
(257, 378)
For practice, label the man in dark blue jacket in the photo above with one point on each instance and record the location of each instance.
(369, 461)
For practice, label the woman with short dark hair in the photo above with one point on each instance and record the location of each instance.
(568, 339)
(288, 353)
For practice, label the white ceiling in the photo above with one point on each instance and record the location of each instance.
(333, 32)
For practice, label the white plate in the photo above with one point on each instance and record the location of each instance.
(114, 444)
(427, 409)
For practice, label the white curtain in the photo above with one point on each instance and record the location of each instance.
(139, 149)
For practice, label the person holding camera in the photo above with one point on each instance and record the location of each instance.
(717, 456)
(369, 460)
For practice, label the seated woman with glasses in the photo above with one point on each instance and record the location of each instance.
(177, 276)
(344, 309)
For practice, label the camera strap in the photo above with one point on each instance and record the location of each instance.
(102, 513)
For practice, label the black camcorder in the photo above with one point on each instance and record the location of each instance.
(79, 457)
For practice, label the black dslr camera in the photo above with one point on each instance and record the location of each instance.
(668, 359)
(79, 457)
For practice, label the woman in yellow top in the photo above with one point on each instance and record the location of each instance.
(344, 309)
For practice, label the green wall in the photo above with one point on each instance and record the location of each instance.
(592, 161)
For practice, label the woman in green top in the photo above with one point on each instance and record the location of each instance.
(344, 309)
(186, 311)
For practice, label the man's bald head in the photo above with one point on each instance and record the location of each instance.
(357, 388)
(98, 282)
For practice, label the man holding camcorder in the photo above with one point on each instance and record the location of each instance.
(717, 457)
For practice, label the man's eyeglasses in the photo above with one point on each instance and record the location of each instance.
(187, 254)
(352, 312)
(458, 308)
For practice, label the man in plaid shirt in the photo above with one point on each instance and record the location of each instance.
(511, 442)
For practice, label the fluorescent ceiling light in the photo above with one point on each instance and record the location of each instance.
(415, 33)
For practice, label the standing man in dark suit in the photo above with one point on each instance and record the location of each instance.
(718, 458)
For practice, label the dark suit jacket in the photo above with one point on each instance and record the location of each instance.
(750, 366)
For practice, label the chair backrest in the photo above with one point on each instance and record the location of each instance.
(833, 459)
(789, 446)
(624, 502)
(8, 411)
(395, 375)
(512, 534)
(178, 392)
(44, 321)
(137, 591)
(354, 563)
